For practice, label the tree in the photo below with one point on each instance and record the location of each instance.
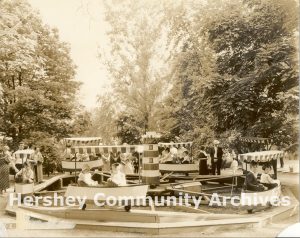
(81, 123)
(103, 119)
(36, 75)
(135, 62)
(257, 64)
(235, 71)
(130, 131)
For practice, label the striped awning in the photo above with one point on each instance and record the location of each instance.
(172, 144)
(23, 153)
(104, 149)
(261, 156)
(83, 141)
(259, 140)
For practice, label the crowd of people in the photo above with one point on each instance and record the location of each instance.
(22, 168)
(175, 155)
(211, 159)
(128, 161)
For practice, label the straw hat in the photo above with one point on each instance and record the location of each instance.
(85, 168)
(216, 142)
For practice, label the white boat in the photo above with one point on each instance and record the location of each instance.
(179, 168)
(69, 165)
(263, 198)
(72, 165)
(107, 193)
(252, 199)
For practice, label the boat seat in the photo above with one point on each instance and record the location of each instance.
(81, 184)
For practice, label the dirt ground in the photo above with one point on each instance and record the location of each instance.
(272, 230)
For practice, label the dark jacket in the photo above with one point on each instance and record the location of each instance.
(251, 183)
(219, 153)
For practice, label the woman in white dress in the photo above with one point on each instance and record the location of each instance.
(38, 167)
(127, 163)
(117, 178)
(9, 158)
(85, 177)
(106, 161)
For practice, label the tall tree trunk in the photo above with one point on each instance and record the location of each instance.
(20, 79)
(146, 123)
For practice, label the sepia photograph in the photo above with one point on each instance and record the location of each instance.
(149, 118)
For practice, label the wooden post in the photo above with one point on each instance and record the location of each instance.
(75, 167)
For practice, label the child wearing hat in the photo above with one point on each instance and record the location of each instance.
(26, 174)
(117, 178)
(86, 177)
(266, 179)
(251, 182)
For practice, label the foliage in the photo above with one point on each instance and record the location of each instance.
(49, 147)
(236, 73)
(81, 123)
(36, 76)
(255, 71)
(134, 59)
(129, 130)
(103, 119)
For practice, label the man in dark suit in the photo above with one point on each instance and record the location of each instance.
(216, 154)
(251, 182)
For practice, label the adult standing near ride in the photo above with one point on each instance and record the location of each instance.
(18, 160)
(68, 153)
(216, 154)
(106, 161)
(203, 170)
(115, 158)
(4, 172)
(8, 156)
(38, 166)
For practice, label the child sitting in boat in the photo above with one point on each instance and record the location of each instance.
(85, 176)
(77, 157)
(26, 174)
(117, 178)
(251, 182)
(85, 157)
(115, 158)
(186, 158)
(234, 166)
(180, 152)
(67, 153)
(166, 157)
(266, 179)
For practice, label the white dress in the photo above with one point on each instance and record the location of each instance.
(266, 178)
(128, 167)
(87, 178)
(106, 162)
(119, 179)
